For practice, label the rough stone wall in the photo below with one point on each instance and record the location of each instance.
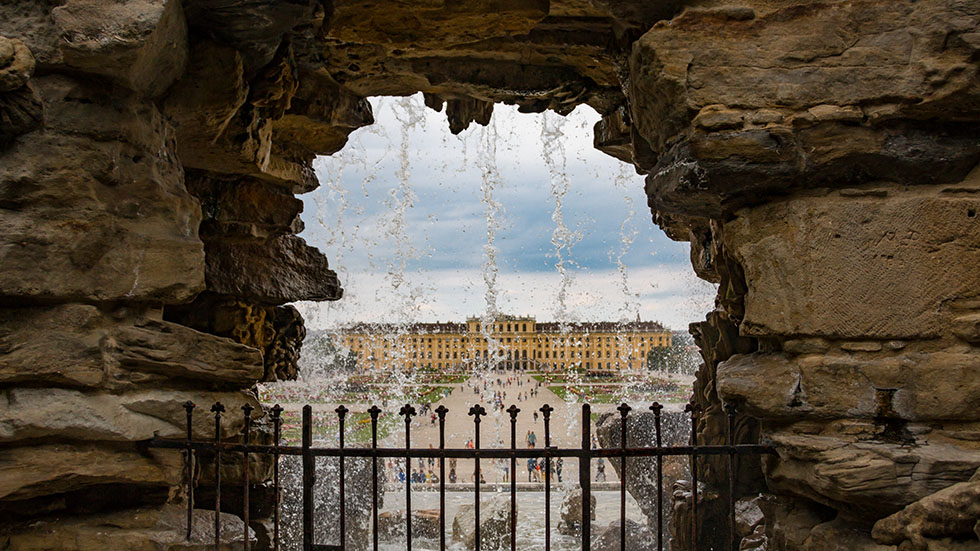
(147, 245)
(820, 157)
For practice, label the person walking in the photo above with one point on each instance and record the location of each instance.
(558, 465)
(532, 439)
(531, 465)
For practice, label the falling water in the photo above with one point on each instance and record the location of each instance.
(487, 162)
(627, 234)
(562, 237)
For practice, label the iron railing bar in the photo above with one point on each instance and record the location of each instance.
(624, 410)
(189, 408)
(732, 543)
(546, 414)
(585, 477)
(513, 411)
(408, 411)
(276, 434)
(341, 413)
(693, 408)
(309, 479)
(217, 408)
(374, 412)
(656, 408)
(441, 411)
(247, 412)
(476, 411)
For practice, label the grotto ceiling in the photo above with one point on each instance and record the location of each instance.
(819, 157)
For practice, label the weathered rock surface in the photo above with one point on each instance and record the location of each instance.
(790, 520)
(108, 167)
(20, 106)
(912, 386)
(870, 479)
(142, 44)
(62, 414)
(796, 96)
(872, 261)
(570, 513)
(494, 523)
(271, 271)
(638, 537)
(952, 512)
(840, 535)
(36, 471)
(276, 331)
(79, 346)
(162, 528)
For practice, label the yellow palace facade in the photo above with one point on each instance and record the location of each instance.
(509, 342)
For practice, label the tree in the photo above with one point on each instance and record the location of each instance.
(680, 357)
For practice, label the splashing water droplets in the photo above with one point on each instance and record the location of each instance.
(553, 151)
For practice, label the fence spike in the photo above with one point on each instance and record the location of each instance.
(217, 409)
(276, 433)
(441, 411)
(730, 409)
(656, 407)
(246, 428)
(546, 414)
(374, 411)
(189, 466)
(624, 410)
(694, 409)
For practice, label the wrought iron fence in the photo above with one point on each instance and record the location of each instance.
(585, 454)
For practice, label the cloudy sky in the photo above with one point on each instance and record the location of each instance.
(524, 215)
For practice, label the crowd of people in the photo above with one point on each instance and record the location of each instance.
(496, 391)
(493, 391)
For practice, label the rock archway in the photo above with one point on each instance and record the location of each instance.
(819, 157)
